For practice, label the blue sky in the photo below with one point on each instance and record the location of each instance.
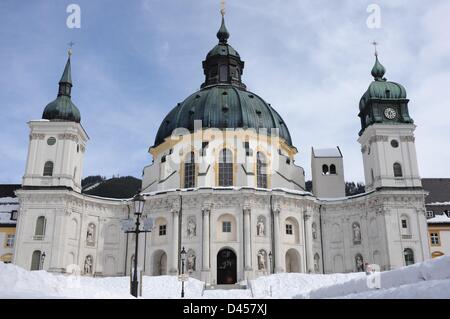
(135, 60)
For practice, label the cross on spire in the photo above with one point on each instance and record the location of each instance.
(70, 51)
(375, 43)
(222, 7)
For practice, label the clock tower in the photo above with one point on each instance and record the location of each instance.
(387, 135)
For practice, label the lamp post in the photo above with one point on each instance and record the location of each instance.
(128, 227)
(42, 260)
(270, 262)
(183, 258)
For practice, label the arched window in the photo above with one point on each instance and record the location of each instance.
(261, 170)
(409, 256)
(225, 168)
(398, 170)
(372, 176)
(324, 169)
(333, 169)
(189, 171)
(39, 232)
(223, 73)
(48, 168)
(36, 260)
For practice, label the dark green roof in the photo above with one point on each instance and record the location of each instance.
(223, 106)
(380, 88)
(62, 108)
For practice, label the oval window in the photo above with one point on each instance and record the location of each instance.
(394, 143)
(51, 141)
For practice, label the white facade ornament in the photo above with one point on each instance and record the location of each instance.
(191, 230)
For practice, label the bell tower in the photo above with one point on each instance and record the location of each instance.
(57, 142)
(387, 134)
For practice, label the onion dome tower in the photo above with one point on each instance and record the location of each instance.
(62, 108)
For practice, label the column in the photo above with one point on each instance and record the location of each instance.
(205, 242)
(308, 242)
(277, 241)
(175, 252)
(247, 239)
(205, 275)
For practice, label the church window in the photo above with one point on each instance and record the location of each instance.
(189, 171)
(404, 223)
(10, 240)
(48, 169)
(223, 73)
(394, 143)
(204, 146)
(226, 227)
(333, 169)
(398, 170)
(163, 159)
(40, 228)
(225, 168)
(289, 230)
(51, 141)
(36, 260)
(261, 170)
(162, 230)
(248, 151)
(434, 238)
(325, 169)
(409, 256)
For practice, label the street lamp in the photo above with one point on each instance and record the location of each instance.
(128, 227)
(270, 262)
(183, 258)
(42, 260)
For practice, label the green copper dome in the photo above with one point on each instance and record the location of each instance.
(223, 106)
(380, 88)
(63, 109)
(223, 101)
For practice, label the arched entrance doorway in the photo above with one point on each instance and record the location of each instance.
(226, 267)
(159, 263)
(292, 261)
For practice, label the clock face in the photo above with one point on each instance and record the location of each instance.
(390, 113)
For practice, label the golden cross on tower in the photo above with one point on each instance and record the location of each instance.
(222, 7)
(71, 44)
(375, 43)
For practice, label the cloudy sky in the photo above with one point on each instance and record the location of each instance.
(135, 60)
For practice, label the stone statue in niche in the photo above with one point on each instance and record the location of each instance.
(88, 262)
(191, 227)
(261, 260)
(359, 263)
(191, 261)
(260, 227)
(356, 233)
(90, 236)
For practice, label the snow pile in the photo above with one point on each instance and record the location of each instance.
(430, 279)
(439, 219)
(288, 285)
(16, 282)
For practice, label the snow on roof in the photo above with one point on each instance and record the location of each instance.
(438, 204)
(327, 152)
(439, 219)
(8, 205)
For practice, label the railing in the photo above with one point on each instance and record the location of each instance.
(38, 237)
(406, 236)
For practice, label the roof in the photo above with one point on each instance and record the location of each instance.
(326, 152)
(439, 191)
(7, 190)
(439, 219)
(223, 106)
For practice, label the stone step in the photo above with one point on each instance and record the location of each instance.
(226, 287)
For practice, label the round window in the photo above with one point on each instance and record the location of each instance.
(51, 141)
(394, 143)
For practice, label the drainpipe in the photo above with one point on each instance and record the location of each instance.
(126, 247)
(180, 231)
(272, 242)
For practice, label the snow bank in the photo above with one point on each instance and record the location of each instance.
(406, 282)
(16, 282)
(288, 285)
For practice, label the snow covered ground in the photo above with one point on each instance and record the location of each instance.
(430, 279)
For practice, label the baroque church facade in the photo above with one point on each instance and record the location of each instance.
(223, 185)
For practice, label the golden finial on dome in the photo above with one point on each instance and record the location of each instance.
(375, 43)
(222, 7)
(70, 51)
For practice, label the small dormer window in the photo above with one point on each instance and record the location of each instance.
(223, 73)
(14, 215)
